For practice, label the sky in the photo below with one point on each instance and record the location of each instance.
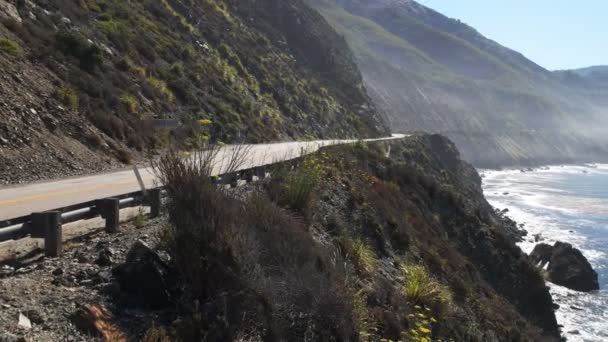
(557, 34)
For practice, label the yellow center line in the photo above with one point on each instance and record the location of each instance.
(67, 192)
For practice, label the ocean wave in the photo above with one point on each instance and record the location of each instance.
(568, 204)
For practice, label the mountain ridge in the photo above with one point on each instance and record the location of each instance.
(437, 74)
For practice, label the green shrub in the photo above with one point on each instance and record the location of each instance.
(112, 26)
(421, 288)
(363, 256)
(161, 86)
(74, 44)
(139, 221)
(130, 102)
(68, 97)
(295, 188)
(10, 47)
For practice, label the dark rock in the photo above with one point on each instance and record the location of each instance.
(105, 257)
(566, 266)
(145, 275)
(81, 258)
(35, 316)
(58, 271)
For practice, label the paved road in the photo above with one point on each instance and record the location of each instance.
(24, 200)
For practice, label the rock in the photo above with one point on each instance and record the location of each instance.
(105, 257)
(24, 322)
(574, 332)
(58, 271)
(35, 316)
(6, 270)
(81, 257)
(9, 11)
(566, 266)
(96, 320)
(8, 337)
(145, 275)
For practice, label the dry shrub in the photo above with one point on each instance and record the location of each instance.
(157, 334)
(251, 261)
(294, 188)
(124, 156)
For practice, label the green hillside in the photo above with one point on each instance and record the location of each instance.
(81, 78)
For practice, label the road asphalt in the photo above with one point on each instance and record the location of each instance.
(38, 197)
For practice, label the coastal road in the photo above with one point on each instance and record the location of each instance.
(37, 197)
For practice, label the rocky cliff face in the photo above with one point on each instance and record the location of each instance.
(82, 77)
(436, 74)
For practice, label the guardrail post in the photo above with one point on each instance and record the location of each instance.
(154, 202)
(231, 178)
(248, 175)
(260, 172)
(50, 223)
(109, 209)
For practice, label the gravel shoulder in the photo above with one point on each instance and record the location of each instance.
(50, 291)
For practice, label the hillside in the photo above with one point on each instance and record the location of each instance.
(80, 79)
(598, 71)
(436, 74)
(346, 244)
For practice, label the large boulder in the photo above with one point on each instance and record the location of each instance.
(566, 266)
(145, 276)
(9, 11)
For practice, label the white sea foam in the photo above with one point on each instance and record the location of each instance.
(569, 204)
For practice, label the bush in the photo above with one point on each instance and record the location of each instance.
(421, 288)
(74, 44)
(156, 334)
(363, 257)
(124, 156)
(251, 262)
(68, 97)
(139, 221)
(161, 86)
(10, 47)
(295, 188)
(130, 102)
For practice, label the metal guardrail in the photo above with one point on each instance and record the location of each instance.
(48, 225)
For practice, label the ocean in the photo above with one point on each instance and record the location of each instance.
(568, 204)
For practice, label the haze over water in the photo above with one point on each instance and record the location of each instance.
(568, 204)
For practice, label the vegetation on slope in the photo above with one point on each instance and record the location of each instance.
(259, 71)
(349, 245)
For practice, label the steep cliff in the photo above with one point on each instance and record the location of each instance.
(350, 245)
